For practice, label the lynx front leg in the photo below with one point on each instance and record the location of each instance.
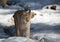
(16, 25)
(19, 27)
(28, 30)
(21, 32)
(17, 32)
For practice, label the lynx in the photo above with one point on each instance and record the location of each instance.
(22, 22)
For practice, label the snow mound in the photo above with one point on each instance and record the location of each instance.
(17, 39)
(46, 37)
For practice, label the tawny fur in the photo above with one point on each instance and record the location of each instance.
(22, 22)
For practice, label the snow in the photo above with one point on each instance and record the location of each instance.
(50, 19)
(17, 39)
(44, 28)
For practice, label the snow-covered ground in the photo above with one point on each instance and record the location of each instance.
(45, 26)
(18, 39)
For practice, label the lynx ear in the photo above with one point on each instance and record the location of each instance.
(28, 11)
